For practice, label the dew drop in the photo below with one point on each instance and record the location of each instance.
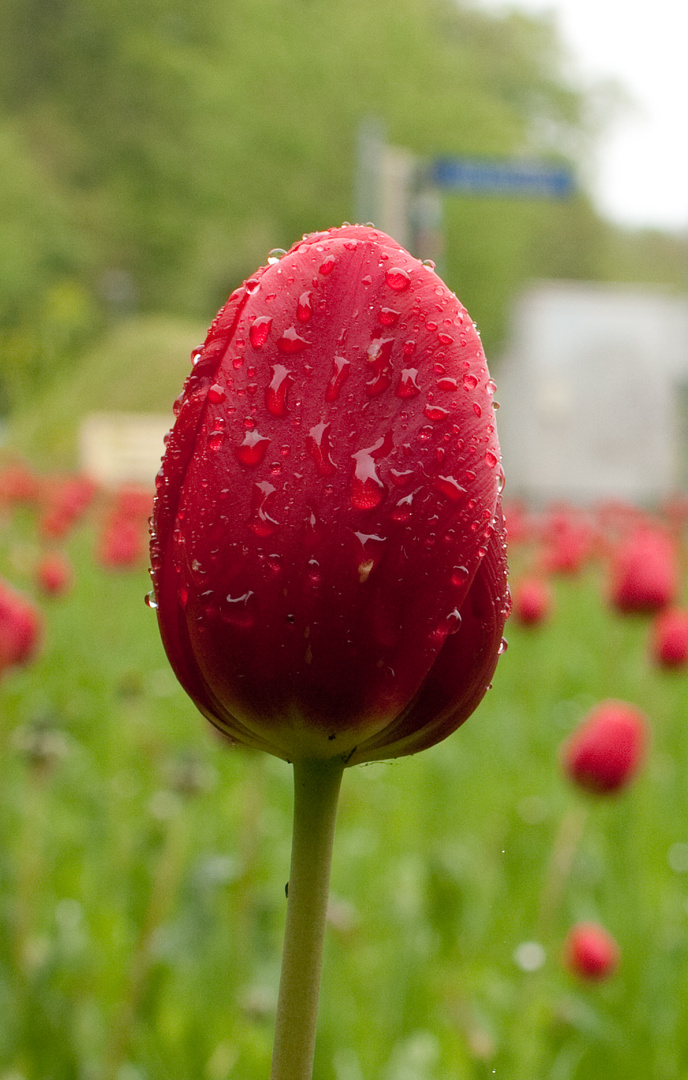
(409, 347)
(491, 386)
(445, 339)
(239, 611)
(304, 307)
(388, 316)
(342, 366)
(459, 575)
(431, 326)
(397, 279)
(276, 391)
(470, 476)
(216, 394)
(367, 489)
(378, 360)
(476, 409)
(319, 446)
(401, 477)
(216, 439)
(275, 255)
(291, 342)
(470, 381)
(407, 386)
(429, 263)
(435, 412)
(450, 487)
(327, 266)
(491, 459)
(253, 449)
(259, 330)
(262, 523)
(446, 383)
(150, 601)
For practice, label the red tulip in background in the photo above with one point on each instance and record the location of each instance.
(644, 572)
(121, 544)
(54, 573)
(532, 601)
(327, 544)
(669, 638)
(328, 551)
(21, 626)
(591, 952)
(604, 754)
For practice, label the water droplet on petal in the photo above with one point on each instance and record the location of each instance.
(367, 489)
(435, 412)
(276, 391)
(503, 646)
(304, 307)
(216, 439)
(470, 381)
(397, 278)
(491, 386)
(408, 383)
(261, 523)
(342, 366)
(459, 575)
(476, 409)
(259, 330)
(319, 446)
(450, 487)
(446, 383)
(431, 326)
(388, 316)
(216, 394)
(400, 478)
(150, 601)
(491, 459)
(409, 347)
(253, 449)
(239, 611)
(445, 339)
(378, 359)
(327, 266)
(275, 255)
(291, 342)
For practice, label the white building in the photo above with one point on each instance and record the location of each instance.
(594, 393)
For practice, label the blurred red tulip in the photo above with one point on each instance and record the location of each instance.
(669, 638)
(66, 500)
(327, 547)
(121, 544)
(532, 601)
(54, 573)
(591, 952)
(18, 484)
(133, 501)
(606, 751)
(644, 572)
(21, 626)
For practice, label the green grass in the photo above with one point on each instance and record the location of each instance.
(143, 868)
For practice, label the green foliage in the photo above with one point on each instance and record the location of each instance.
(144, 861)
(171, 146)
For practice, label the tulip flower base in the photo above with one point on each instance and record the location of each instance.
(327, 544)
(316, 794)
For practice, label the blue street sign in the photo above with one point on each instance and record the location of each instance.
(508, 177)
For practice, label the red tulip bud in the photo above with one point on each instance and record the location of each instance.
(606, 751)
(532, 601)
(644, 572)
(327, 545)
(591, 952)
(54, 573)
(21, 627)
(669, 638)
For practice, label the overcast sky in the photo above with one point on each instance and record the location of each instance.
(640, 176)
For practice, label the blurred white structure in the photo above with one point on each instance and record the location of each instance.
(116, 448)
(594, 393)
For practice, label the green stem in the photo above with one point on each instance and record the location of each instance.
(316, 793)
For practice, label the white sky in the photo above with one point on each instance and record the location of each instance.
(640, 175)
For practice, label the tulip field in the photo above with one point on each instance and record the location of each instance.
(144, 860)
